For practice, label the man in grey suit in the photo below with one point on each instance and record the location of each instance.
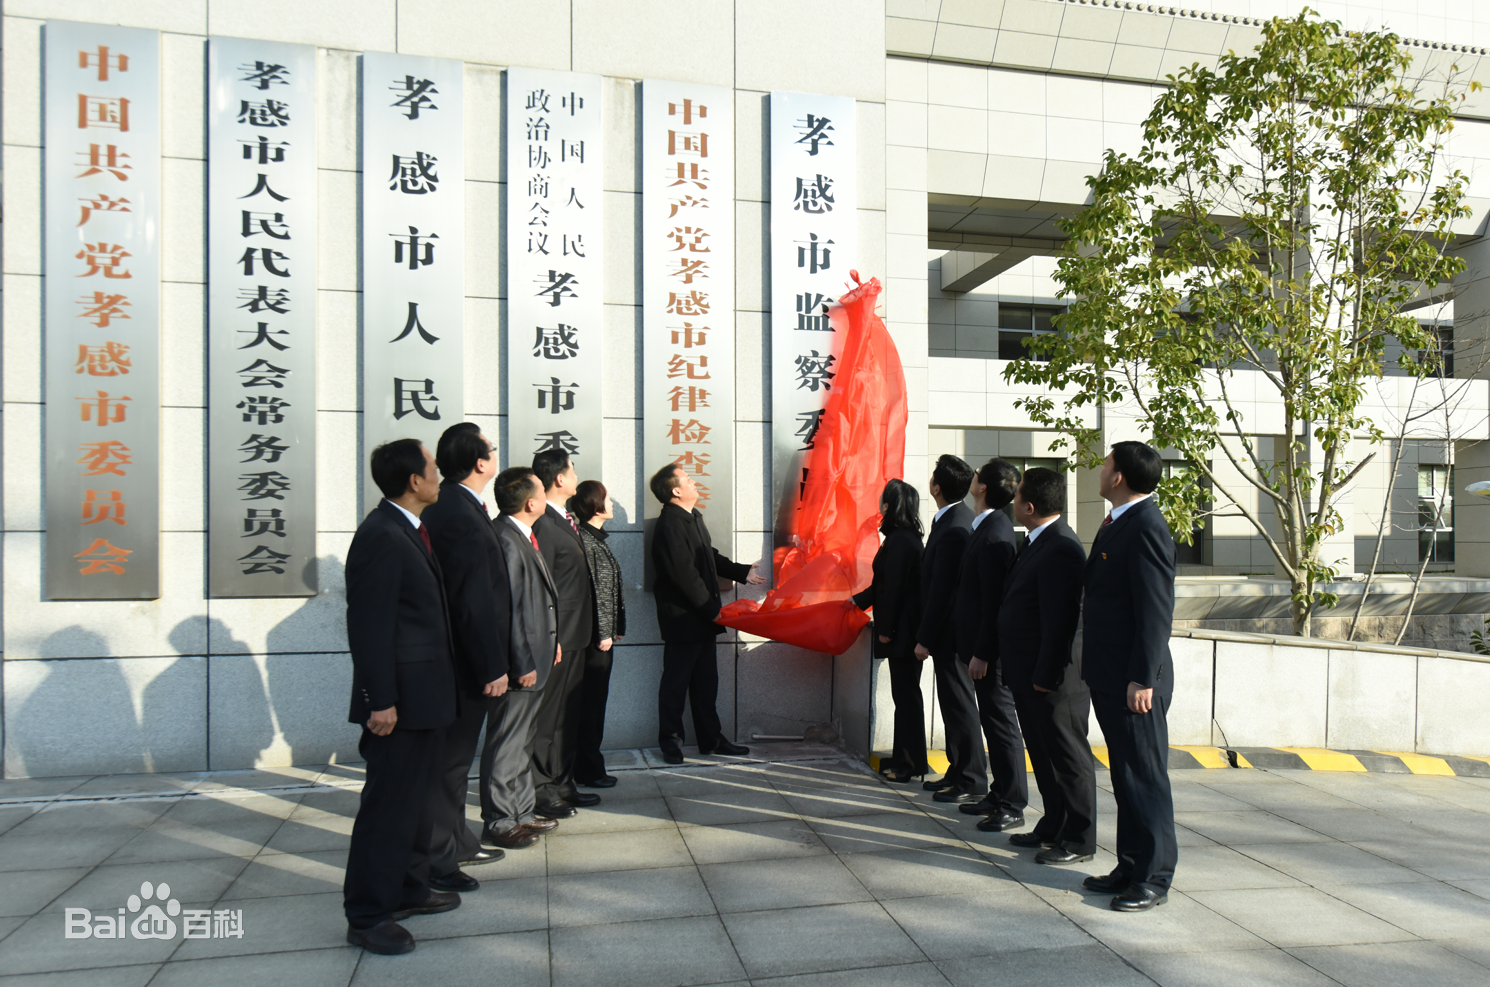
(507, 797)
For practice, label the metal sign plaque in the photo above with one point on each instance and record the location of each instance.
(261, 318)
(555, 268)
(413, 251)
(102, 311)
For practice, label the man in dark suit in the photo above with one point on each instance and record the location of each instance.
(985, 562)
(941, 566)
(1036, 628)
(687, 569)
(1128, 615)
(559, 711)
(511, 819)
(404, 695)
(475, 578)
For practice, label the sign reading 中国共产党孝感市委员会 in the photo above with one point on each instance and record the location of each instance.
(555, 268)
(413, 251)
(814, 236)
(261, 318)
(688, 294)
(101, 309)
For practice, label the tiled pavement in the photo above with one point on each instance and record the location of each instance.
(803, 871)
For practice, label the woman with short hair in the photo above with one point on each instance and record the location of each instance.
(591, 506)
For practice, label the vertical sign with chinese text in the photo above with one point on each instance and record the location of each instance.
(814, 234)
(261, 318)
(102, 311)
(413, 240)
(555, 273)
(688, 294)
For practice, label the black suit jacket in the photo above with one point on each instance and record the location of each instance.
(1038, 614)
(686, 570)
(980, 586)
(564, 554)
(1128, 614)
(941, 565)
(475, 584)
(397, 627)
(533, 603)
(895, 593)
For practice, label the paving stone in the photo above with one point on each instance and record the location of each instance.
(1330, 863)
(1011, 918)
(818, 938)
(61, 819)
(1421, 964)
(38, 946)
(1233, 828)
(40, 788)
(119, 976)
(846, 802)
(1220, 868)
(109, 886)
(520, 958)
(501, 906)
(1352, 824)
(627, 896)
(1477, 949)
(924, 871)
(1428, 910)
(680, 951)
(1180, 925)
(141, 784)
(882, 831)
(272, 925)
(307, 968)
(790, 882)
(1199, 797)
(275, 874)
(13, 815)
(1442, 860)
(624, 815)
(169, 840)
(1228, 968)
(1074, 966)
(905, 975)
(629, 784)
(692, 782)
(29, 891)
(730, 807)
(752, 841)
(1291, 917)
(587, 853)
(42, 852)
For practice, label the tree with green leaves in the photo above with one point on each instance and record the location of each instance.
(1283, 210)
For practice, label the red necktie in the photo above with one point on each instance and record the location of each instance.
(534, 539)
(424, 534)
(570, 518)
(1107, 520)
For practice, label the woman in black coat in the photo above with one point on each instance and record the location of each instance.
(591, 504)
(895, 595)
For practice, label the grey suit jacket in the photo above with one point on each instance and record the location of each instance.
(534, 635)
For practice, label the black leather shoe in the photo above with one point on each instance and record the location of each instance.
(581, 799)
(1000, 821)
(1031, 840)
(1138, 898)
(387, 937)
(484, 855)
(983, 807)
(901, 777)
(936, 784)
(1060, 855)
(953, 795)
(541, 824)
(672, 755)
(516, 838)
(1111, 884)
(438, 901)
(604, 781)
(725, 747)
(455, 881)
(555, 810)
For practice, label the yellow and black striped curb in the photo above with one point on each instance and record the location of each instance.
(1305, 758)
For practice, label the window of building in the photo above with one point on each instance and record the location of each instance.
(1445, 333)
(1435, 490)
(1193, 553)
(1022, 464)
(1018, 323)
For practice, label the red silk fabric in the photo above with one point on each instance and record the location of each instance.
(859, 445)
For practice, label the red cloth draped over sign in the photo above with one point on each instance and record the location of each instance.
(859, 445)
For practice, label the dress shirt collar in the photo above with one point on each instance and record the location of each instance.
(1030, 538)
(1117, 512)
(527, 531)
(562, 512)
(938, 515)
(413, 518)
(472, 493)
(980, 518)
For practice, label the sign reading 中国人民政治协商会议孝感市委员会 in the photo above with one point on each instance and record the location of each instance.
(413, 251)
(102, 311)
(688, 293)
(261, 318)
(555, 268)
(814, 236)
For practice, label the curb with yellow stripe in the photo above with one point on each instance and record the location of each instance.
(1306, 758)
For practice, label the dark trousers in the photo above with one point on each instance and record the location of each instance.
(967, 769)
(388, 860)
(909, 753)
(589, 763)
(1010, 787)
(689, 671)
(1055, 729)
(556, 734)
(452, 840)
(1138, 756)
(507, 760)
